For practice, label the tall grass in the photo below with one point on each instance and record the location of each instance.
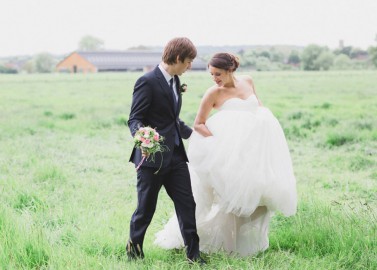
(67, 190)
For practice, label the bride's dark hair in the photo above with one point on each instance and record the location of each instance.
(226, 61)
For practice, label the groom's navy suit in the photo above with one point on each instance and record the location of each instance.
(153, 105)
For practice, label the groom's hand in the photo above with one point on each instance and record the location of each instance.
(143, 153)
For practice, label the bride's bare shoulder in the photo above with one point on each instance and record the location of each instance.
(246, 78)
(213, 90)
(210, 96)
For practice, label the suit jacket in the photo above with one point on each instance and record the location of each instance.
(153, 105)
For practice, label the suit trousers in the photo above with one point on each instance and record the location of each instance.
(176, 180)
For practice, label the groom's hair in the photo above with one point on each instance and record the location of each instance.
(181, 47)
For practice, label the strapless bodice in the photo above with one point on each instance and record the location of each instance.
(239, 104)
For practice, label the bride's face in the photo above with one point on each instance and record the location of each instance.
(219, 76)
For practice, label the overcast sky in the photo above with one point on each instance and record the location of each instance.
(56, 26)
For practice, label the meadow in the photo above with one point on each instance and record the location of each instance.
(67, 190)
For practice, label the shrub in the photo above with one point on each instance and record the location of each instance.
(359, 163)
(28, 202)
(67, 116)
(364, 125)
(36, 257)
(332, 122)
(295, 115)
(337, 139)
(121, 120)
(7, 70)
(294, 132)
(326, 105)
(308, 124)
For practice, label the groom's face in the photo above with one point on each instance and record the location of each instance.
(181, 67)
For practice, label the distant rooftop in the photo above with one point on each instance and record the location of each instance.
(129, 60)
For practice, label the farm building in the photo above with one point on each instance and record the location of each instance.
(103, 61)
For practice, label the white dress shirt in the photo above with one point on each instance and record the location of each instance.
(167, 78)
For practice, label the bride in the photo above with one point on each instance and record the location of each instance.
(240, 167)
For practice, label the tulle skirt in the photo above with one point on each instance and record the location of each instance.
(240, 176)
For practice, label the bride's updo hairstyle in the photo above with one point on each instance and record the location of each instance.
(226, 61)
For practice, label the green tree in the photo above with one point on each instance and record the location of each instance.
(265, 54)
(248, 59)
(294, 58)
(356, 52)
(29, 66)
(90, 43)
(310, 55)
(44, 63)
(8, 70)
(263, 63)
(345, 50)
(373, 55)
(342, 61)
(324, 61)
(276, 56)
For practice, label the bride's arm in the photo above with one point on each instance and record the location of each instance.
(205, 108)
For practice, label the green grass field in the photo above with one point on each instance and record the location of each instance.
(67, 190)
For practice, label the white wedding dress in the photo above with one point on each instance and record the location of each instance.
(240, 176)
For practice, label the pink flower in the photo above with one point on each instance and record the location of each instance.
(147, 141)
(156, 137)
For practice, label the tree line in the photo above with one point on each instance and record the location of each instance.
(311, 57)
(267, 58)
(45, 62)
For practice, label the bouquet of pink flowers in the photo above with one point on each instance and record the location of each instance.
(149, 141)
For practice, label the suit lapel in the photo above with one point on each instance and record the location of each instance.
(165, 87)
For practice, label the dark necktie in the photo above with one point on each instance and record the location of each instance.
(176, 137)
(172, 92)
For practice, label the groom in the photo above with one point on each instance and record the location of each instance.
(156, 103)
